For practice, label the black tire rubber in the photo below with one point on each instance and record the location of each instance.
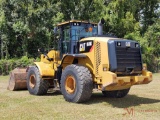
(41, 86)
(83, 80)
(116, 93)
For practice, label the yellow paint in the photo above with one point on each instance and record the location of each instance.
(98, 66)
(105, 79)
(45, 69)
(67, 61)
(70, 84)
(115, 83)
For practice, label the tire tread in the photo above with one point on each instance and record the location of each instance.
(41, 87)
(85, 81)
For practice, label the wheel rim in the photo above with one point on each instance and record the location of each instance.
(70, 84)
(32, 81)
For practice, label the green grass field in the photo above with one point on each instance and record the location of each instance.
(142, 103)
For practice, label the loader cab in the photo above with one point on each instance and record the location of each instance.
(71, 32)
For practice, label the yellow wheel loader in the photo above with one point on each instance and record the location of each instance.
(84, 59)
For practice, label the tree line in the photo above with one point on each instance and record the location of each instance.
(26, 25)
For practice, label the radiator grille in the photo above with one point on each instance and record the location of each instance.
(98, 56)
(128, 59)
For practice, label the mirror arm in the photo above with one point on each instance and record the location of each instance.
(49, 59)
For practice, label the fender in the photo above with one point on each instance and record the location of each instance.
(68, 58)
(45, 69)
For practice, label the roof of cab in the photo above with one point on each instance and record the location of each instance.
(71, 21)
(101, 38)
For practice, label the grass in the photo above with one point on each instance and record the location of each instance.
(142, 103)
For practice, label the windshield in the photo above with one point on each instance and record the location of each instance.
(74, 32)
(83, 31)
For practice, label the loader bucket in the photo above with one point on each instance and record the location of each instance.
(18, 79)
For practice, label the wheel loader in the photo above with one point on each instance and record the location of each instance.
(84, 59)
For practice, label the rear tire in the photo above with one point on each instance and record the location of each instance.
(35, 84)
(116, 93)
(76, 83)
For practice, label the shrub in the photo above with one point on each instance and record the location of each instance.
(8, 65)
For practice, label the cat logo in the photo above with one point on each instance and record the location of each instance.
(82, 47)
(85, 46)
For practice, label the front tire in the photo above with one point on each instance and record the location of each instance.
(116, 93)
(35, 84)
(76, 83)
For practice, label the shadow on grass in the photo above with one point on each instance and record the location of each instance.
(128, 101)
(53, 93)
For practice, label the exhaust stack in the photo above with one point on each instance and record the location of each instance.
(100, 26)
